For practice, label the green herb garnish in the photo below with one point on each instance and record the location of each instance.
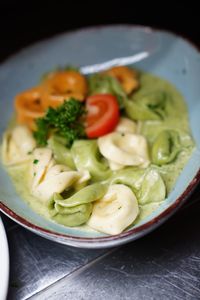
(35, 161)
(64, 121)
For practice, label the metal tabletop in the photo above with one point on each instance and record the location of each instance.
(165, 264)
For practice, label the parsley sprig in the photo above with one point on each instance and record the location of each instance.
(65, 121)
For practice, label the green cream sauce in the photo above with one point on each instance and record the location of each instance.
(150, 129)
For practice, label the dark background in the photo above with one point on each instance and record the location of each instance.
(24, 22)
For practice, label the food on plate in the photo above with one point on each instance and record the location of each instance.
(103, 150)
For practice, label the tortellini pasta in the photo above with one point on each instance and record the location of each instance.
(17, 145)
(104, 84)
(87, 157)
(61, 153)
(150, 106)
(124, 149)
(165, 147)
(125, 125)
(49, 178)
(147, 184)
(152, 188)
(76, 209)
(115, 211)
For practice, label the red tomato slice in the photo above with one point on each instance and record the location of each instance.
(103, 114)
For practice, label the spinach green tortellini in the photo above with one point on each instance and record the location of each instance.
(86, 156)
(61, 153)
(147, 184)
(150, 106)
(165, 147)
(76, 209)
(152, 189)
(104, 84)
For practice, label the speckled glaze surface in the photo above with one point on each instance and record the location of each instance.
(161, 53)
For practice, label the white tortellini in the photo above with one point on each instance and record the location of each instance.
(17, 145)
(124, 149)
(125, 125)
(42, 160)
(115, 211)
(48, 178)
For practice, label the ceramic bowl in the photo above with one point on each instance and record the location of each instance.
(159, 52)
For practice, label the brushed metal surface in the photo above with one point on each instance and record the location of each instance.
(36, 263)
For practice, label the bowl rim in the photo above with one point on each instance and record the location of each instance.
(99, 27)
(134, 232)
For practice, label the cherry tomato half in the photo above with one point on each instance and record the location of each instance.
(103, 114)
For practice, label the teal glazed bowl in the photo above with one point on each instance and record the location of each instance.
(159, 52)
